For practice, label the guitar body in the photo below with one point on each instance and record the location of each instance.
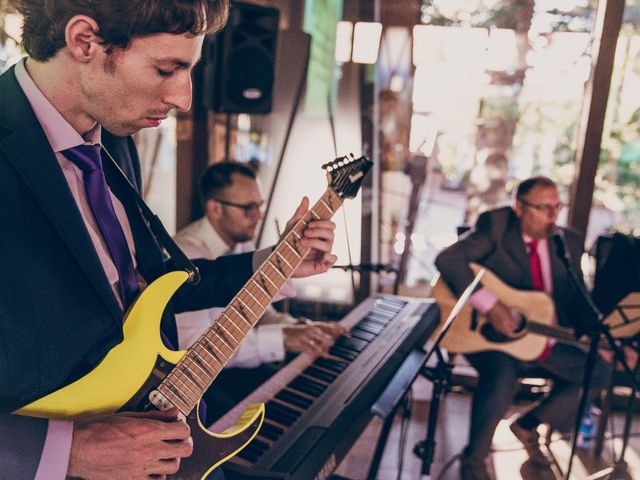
(123, 380)
(470, 332)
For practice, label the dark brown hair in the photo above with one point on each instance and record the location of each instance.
(219, 176)
(118, 20)
(527, 185)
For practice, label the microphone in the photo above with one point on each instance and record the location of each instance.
(557, 236)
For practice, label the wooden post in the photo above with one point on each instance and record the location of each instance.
(594, 108)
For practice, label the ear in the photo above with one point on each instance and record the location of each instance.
(81, 36)
(518, 207)
(212, 209)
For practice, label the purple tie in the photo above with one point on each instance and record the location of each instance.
(87, 158)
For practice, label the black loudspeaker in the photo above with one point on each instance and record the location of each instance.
(239, 61)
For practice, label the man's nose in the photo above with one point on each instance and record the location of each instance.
(180, 93)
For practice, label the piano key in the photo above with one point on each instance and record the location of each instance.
(352, 343)
(270, 431)
(279, 417)
(362, 335)
(279, 407)
(343, 353)
(370, 328)
(293, 398)
(320, 374)
(330, 364)
(306, 385)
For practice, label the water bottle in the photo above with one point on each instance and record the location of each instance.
(587, 426)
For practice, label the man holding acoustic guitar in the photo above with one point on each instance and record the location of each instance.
(78, 251)
(514, 244)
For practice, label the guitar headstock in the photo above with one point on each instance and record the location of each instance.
(346, 174)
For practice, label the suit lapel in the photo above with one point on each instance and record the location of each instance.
(27, 148)
(515, 248)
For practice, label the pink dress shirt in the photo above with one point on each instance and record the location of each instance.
(54, 460)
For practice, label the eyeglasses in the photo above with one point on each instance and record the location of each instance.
(249, 209)
(543, 207)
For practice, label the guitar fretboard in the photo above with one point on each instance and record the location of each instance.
(195, 372)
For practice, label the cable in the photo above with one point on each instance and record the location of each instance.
(406, 417)
(448, 465)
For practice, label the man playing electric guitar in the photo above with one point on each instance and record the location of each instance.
(76, 250)
(514, 244)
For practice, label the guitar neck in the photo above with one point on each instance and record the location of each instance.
(563, 335)
(190, 378)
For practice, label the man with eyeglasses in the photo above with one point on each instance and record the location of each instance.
(514, 244)
(233, 206)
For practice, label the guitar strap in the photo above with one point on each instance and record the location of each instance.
(162, 236)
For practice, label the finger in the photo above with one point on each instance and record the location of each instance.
(321, 225)
(323, 233)
(173, 431)
(299, 213)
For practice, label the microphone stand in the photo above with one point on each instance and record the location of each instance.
(598, 328)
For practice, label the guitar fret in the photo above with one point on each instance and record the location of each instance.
(263, 290)
(325, 205)
(254, 298)
(229, 342)
(212, 353)
(261, 287)
(262, 276)
(192, 396)
(315, 215)
(199, 357)
(220, 345)
(169, 392)
(186, 371)
(294, 251)
(190, 365)
(242, 334)
(240, 314)
(284, 278)
(248, 308)
(198, 362)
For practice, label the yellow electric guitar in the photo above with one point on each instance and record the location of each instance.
(141, 374)
(471, 332)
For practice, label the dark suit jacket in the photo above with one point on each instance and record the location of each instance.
(58, 313)
(496, 242)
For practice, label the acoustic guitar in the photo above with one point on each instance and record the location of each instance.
(141, 374)
(471, 331)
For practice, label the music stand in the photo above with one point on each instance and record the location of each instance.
(440, 376)
(623, 322)
(597, 328)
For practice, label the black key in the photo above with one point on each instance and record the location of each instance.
(308, 386)
(270, 432)
(278, 417)
(352, 343)
(320, 374)
(293, 398)
(343, 353)
(331, 364)
(362, 335)
(283, 409)
(248, 455)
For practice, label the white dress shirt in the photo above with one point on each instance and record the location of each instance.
(265, 342)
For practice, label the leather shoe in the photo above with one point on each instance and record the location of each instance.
(473, 469)
(531, 441)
